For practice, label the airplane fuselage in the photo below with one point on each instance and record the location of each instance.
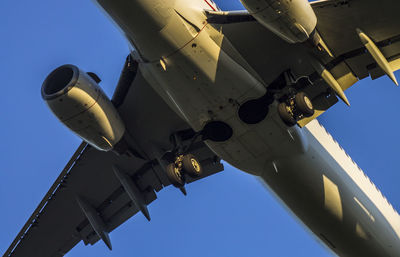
(204, 79)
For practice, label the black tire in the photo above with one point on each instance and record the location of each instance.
(174, 175)
(304, 104)
(191, 166)
(286, 117)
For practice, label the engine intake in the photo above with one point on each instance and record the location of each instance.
(81, 105)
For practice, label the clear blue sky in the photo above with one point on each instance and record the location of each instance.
(229, 214)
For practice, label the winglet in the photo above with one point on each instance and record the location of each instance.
(377, 55)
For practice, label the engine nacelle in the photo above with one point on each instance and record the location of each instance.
(292, 20)
(81, 105)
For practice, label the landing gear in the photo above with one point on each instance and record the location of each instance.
(303, 104)
(287, 89)
(191, 166)
(295, 108)
(183, 165)
(286, 114)
(174, 175)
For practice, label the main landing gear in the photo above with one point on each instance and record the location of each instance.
(182, 165)
(296, 107)
(294, 104)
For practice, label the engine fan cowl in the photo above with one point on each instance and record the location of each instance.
(81, 105)
(292, 20)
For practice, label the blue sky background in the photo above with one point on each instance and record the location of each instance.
(229, 214)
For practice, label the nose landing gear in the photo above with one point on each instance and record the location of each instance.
(296, 107)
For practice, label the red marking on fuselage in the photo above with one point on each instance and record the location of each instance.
(212, 7)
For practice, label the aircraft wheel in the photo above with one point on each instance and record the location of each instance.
(191, 166)
(174, 175)
(286, 115)
(304, 104)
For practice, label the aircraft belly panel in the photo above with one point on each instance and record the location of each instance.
(202, 82)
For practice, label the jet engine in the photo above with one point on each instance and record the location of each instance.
(292, 20)
(81, 105)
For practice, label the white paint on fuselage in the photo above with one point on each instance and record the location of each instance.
(305, 168)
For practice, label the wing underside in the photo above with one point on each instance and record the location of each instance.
(338, 21)
(89, 185)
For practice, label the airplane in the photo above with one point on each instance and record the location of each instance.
(339, 199)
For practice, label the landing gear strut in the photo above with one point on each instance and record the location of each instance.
(296, 107)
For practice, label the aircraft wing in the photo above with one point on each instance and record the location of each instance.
(89, 183)
(338, 21)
